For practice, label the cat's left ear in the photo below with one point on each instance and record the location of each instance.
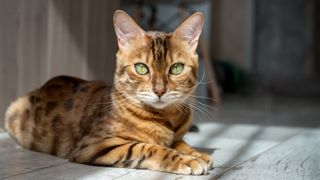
(189, 31)
(126, 29)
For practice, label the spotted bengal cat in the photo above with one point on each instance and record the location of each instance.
(138, 122)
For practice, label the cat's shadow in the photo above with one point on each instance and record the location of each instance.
(206, 150)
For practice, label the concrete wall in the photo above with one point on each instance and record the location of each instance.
(284, 44)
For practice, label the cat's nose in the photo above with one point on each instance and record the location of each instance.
(159, 91)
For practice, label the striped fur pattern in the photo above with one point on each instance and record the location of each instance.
(126, 124)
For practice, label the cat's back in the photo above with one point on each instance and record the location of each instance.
(51, 116)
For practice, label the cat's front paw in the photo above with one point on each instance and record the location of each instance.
(205, 157)
(192, 166)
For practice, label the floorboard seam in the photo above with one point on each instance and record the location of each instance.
(125, 174)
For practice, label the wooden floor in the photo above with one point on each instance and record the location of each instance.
(239, 151)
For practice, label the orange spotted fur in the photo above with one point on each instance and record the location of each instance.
(138, 122)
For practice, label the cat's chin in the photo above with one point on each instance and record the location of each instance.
(159, 105)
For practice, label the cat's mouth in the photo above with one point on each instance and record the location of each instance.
(154, 101)
(159, 104)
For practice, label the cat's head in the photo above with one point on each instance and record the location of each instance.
(155, 68)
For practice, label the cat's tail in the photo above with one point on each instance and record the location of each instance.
(17, 120)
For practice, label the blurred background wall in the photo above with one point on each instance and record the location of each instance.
(271, 41)
(40, 39)
(285, 46)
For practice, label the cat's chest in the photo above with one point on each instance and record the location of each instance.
(157, 127)
(160, 135)
(149, 131)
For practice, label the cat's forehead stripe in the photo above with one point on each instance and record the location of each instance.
(159, 48)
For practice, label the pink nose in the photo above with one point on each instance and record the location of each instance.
(159, 91)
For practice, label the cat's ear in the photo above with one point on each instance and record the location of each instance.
(126, 29)
(189, 31)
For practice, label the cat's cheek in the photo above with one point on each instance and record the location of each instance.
(176, 80)
(137, 78)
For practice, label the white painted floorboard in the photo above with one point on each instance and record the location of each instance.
(295, 159)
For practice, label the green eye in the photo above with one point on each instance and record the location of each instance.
(176, 68)
(141, 68)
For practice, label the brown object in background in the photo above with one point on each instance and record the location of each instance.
(316, 32)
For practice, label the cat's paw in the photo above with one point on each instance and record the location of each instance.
(205, 157)
(192, 166)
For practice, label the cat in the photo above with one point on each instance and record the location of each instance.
(137, 122)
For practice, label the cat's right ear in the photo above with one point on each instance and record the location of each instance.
(126, 29)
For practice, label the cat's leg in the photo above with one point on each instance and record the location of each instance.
(118, 152)
(184, 148)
